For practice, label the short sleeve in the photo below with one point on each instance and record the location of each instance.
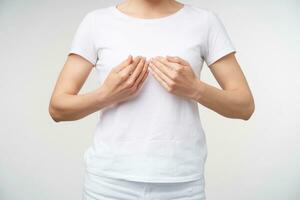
(218, 43)
(83, 40)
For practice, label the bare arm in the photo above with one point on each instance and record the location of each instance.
(65, 103)
(235, 99)
(123, 82)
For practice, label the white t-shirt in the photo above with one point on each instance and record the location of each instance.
(156, 136)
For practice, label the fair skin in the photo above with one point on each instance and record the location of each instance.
(173, 73)
(234, 100)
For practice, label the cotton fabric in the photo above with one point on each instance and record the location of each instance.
(156, 136)
(106, 188)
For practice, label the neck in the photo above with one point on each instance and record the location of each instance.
(149, 7)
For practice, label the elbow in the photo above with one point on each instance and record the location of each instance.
(248, 109)
(53, 112)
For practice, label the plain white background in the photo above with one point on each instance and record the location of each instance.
(249, 160)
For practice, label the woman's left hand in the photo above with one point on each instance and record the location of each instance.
(175, 75)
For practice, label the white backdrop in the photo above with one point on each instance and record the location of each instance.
(249, 160)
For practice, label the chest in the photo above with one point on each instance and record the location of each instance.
(115, 41)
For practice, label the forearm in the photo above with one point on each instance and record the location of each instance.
(67, 107)
(228, 103)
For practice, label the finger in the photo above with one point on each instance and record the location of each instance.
(161, 75)
(155, 63)
(138, 69)
(177, 59)
(159, 79)
(142, 74)
(129, 68)
(145, 75)
(124, 63)
(165, 61)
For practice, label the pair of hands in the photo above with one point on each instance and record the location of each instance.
(173, 73)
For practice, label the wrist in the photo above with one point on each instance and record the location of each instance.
(199, 90)
(101, 96)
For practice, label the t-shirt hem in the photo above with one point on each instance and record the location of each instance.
(148, 179)
(220, 55)
(82, 54)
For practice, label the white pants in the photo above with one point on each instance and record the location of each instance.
(107, 188)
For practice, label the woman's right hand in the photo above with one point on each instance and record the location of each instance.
(125, 79)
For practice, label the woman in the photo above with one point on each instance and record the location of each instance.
(149, 142)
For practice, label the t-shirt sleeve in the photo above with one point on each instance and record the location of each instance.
(83, 40)
(218, 43)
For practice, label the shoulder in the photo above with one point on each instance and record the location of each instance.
(207, 15)
(101, 13)
(197, 10)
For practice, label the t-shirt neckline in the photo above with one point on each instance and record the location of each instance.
(119, 13)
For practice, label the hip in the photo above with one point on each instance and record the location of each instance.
(103, 187)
